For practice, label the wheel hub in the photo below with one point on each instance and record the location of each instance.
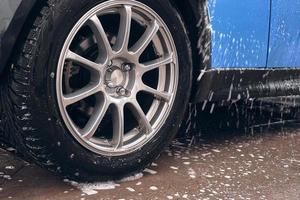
(115, 77)
(118, 78)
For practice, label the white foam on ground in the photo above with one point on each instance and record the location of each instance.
(192, 173)
(130, 189)
(93, 188)
(132, 178)
(153, 188)
(150, 171)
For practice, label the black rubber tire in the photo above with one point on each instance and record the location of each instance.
(35, 121)
(191, 126)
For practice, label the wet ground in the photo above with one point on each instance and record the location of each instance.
(225, 161)
(262, 164)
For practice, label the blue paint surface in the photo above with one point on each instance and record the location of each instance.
(255, 33)
(284, 48)
(240, 33)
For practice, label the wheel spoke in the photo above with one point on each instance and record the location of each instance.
(145, 40)
(140, 116)
(124, 29)
(80, 94)
(82, 61)
(118, 126)
(154, 64)
(164, 96)
(101, 37)
(89, 130)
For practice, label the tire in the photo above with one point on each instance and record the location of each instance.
(39, 125)
(202, 57)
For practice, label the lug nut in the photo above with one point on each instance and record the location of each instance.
(110, 84)
(127, 67)
(121, 91)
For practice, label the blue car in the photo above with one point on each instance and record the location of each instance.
(98, 88)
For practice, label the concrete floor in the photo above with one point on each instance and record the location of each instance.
(258, 165)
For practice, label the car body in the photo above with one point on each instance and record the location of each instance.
(255, 46)
(75, 69)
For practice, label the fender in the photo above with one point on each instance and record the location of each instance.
(13, 15)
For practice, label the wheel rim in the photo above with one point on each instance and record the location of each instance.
(116, 88)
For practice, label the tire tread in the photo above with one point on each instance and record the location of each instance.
(15, 95)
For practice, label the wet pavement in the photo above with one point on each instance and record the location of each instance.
(263, 164)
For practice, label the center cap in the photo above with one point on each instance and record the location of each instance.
(117, 77)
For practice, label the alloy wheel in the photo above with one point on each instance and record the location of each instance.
(117, 77)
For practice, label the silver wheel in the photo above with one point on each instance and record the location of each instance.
(117, 77)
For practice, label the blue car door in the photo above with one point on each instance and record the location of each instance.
(284, 48)
(240, 33)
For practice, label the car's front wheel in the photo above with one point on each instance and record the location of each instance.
(99, 87)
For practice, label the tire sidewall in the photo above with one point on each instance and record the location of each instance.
(67, 151)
